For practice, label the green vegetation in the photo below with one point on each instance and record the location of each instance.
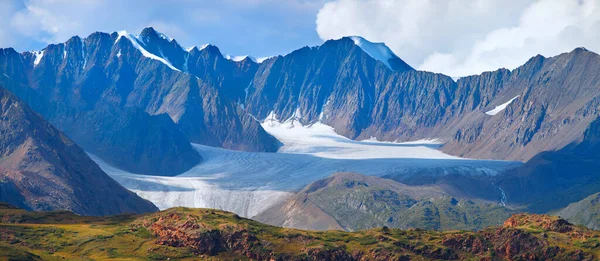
(192, 234)
(360, 205)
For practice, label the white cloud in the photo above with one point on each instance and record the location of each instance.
(462, 37)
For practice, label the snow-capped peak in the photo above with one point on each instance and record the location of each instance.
(136, 43)
(240, 58)
(379, 51)
(199, 48)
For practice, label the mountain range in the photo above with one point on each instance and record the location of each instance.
(83, 83)
(145, 105)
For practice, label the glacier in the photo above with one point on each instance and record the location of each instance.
(248, 183)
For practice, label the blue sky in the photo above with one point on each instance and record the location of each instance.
(455, 37)
(254, 27)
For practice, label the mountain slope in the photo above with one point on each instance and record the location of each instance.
(351, 201)
(555, 100)
(82, 83)
(552, 100)
(41, 169)
(554, 179)
(585, 212)
(204, 234)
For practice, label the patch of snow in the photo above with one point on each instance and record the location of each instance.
(189, 49)
(38, 57)
(202, 47)
(83, 53)
(379, 51)
(248, 183)
(64, 51)
(321, 114)
(145, 53)
(301, 139)
(185, 62)
(119, 53)
(500, 107)
(240, 58)
(6, 75)
(164, 36)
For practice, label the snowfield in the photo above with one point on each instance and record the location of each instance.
(247, 183)
(500, 107)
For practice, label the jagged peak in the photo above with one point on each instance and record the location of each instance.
(74, 38)
(376, 50)
(195, 48)
(136, 44)
(379, 51)
(240, 58)
(150, 31)
(211, 49)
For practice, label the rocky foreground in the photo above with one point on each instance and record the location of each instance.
(192, 234)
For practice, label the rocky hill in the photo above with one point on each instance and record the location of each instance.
(204, 234)
(41, 169)
(351, 201)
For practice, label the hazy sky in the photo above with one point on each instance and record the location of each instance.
(455, 37)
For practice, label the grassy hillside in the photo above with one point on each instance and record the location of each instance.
(351, 201)
(585, 212)
(192, 234)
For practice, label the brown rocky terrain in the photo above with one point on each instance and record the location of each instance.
(206, 234)
(42, 169)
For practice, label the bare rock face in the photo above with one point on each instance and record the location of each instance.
(41, 169)
(552, 180)
(556, 100)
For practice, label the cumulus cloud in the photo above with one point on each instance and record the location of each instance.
(463, 37)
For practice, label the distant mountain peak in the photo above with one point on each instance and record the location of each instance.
(196, 48)
(240, 58)
(380, 52)
(135, 41)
